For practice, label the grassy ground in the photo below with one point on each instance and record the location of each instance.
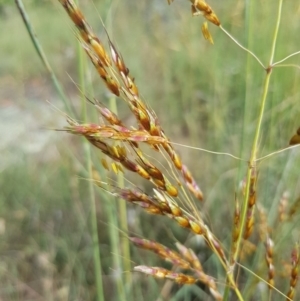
(204, 95)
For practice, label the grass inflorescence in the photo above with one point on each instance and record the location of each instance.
(246, 251)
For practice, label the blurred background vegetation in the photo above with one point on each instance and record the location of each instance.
(204, 95)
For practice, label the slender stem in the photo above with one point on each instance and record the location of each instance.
(42, 55)
(252, 160)
(91, 190)
(289, 56)
(276, 32)
(287, 65)
(94, 227)
(249, 14)
(122, 213)
(241, 46)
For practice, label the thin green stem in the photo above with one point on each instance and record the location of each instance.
(91, 190)
(94, 227)
(122, 210)
(252, 160)
(42, 55)
(276, 32)
(284, 59)
(241, 46)
(287, 65)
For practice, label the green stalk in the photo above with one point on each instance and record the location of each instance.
(122, 212)
(121, 209)
(252, 160)
(91, 191)
(94, 227)
(42, 55)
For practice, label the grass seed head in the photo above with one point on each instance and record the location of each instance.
(294, 272)
(163, 273)
(200, 6)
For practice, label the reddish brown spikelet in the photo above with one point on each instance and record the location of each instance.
(171, 190)
(118, 154)
(131, 86)
(118, 61)
(196, 227)
(174, 211)
(252, 188)
(151, 169)
(140, 199)
(249, 224)
(111, 84)
(236, 229)
(294, 272)
(190, 256)
(191, 183)
(215, 245)
(182, 221)
(99, 50)
(200, 6)
(251, 203)
(144, 119)
(111, 117)
(85, 30)
(174, 157)
(163, 273)
(189, 180)
(115, 132)
(162, 251)
(269, 260)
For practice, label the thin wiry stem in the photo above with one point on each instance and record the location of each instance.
(256, 137)
(263, 280)
(277, 152)
(287, 65)
(91, 190)
(241, 46)
(289, 56)
(122, 211)
(208, 151)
